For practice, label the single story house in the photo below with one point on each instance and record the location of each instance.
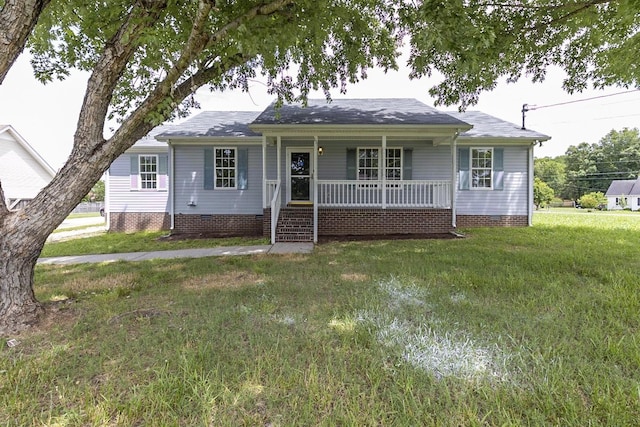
(23, 172)
(349, 167)
(624, 193)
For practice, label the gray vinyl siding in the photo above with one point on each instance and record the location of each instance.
(189, 184)
(272, 152)
(512, 200)
(431, 163)
(124, 199)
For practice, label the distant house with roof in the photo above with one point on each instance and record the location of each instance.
(624, 193)
(349, 167)
(23, 172)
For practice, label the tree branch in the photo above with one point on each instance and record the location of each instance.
(135, 124)
(563, 18)
(17, 20)
(265, 9)
(105, 77)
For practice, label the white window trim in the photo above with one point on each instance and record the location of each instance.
(382, 168)
(215, 168)
(140, 172)
(471, 168)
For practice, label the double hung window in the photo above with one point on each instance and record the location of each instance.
(225, 164)
(370, 167)
(482, 168)
(148, 167)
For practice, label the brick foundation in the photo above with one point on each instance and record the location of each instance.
(331, 222)
(358, 222)
(266, 224)
(219, 225)
(469, 221)
(130, 222)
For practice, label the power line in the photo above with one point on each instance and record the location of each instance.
(536, 107)
(527, 107)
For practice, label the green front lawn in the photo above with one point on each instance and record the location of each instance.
(522, 326)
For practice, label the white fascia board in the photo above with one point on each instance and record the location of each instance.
(425, 131)
(470, 140)
(207, 140)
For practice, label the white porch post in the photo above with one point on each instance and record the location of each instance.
(172, 180)
(279, 149)
(314, 175)
(530, 209)
(264, 172)
(454, 176)
(383, 159)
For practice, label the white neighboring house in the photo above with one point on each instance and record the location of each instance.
(23, 172)
(624, 193)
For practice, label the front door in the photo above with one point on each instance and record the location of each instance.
(300, 174)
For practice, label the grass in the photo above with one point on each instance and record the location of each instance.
(84, 215)
(76, 228)
(535, 326)
(109, 243)
(587, 211)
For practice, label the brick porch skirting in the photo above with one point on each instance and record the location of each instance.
(130, 222)
(266, 223)
(467, 221)
(219, 225)
(362, 221)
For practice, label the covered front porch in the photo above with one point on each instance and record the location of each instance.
(305, 187)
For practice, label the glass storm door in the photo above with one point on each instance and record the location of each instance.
(300, 175)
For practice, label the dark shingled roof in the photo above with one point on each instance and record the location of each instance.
(149, 140)
(381, 111)
(214, 124)
(486, 126)
(624, 187)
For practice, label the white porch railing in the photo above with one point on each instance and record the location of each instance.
(406, 194)
(276, 204)
(270, 189)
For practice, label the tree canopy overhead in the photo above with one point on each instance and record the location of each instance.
(474, 43)
(298, 45)
(147, 57)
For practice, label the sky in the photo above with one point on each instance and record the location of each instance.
(46, 115)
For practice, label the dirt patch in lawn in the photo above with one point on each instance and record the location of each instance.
(354, 277)
(226, 280)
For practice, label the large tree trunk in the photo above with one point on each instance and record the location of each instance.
(18, 255)
(19, 251)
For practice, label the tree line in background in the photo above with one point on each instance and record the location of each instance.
(588, 169)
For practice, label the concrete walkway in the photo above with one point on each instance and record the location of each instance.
(278, 248)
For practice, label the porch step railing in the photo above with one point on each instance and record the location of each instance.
(270, 189)
(404, 194)
(276, 205)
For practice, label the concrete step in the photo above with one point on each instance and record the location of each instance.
(294, 238)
